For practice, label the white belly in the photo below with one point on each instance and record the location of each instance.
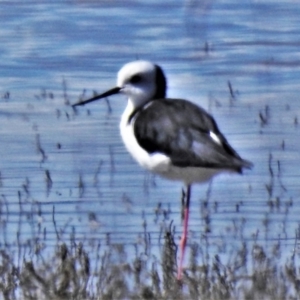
(158, 162)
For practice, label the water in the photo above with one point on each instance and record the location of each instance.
(74, 164)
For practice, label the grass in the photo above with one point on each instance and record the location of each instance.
(72, 272)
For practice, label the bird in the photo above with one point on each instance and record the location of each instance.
(173, 138)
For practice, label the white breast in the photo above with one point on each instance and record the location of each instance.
(157, 162)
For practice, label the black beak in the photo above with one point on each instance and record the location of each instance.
(110, 92)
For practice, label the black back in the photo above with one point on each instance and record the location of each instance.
(181, 130)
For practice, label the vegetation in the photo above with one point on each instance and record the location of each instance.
(70, 273)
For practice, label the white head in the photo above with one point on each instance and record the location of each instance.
(141, 81)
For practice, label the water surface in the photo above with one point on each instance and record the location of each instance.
(64, 171)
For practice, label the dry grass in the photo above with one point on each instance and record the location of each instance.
(69, 274)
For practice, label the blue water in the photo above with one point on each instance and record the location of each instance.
(54, 53)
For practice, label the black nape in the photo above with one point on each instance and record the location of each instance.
(161, 83)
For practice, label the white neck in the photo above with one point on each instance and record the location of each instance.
(127, 112)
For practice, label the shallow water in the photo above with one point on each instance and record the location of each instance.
(64, 171)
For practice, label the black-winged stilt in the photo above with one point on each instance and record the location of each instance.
(171, 137)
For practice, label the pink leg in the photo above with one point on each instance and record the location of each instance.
(185, 231)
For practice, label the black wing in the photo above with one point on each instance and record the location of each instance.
(182, 131)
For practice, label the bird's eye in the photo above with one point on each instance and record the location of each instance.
(135, 79)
